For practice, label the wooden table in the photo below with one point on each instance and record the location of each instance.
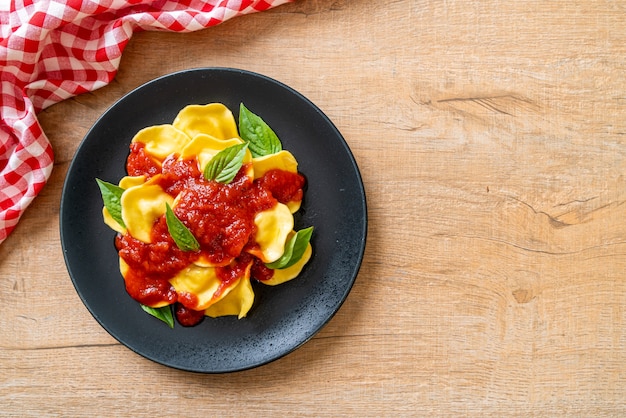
(491, 137)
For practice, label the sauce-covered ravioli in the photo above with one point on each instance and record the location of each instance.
(237, 302)
(161, 260)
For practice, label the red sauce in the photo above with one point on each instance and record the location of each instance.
(229, 274)
(260, 271)
(151, 265)
(220, 216)
(139, 163)
(285, 186)
(187, 317)
(179, 175)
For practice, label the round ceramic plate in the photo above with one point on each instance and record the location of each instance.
(283, 317)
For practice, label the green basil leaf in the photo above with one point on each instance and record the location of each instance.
(111, 196)
(225, 165)
(294, 249)
(182, 236)
(164, 313)
(262, 139)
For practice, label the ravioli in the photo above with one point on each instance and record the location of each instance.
(203, 147)
(236, 302)
(172, 243)
(273, 227)
(283, 160)
(213, 119)
(131, 181)
(141, 207)
(202, 282)
(284, 275)
(161, 140)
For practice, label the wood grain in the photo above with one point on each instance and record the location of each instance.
(491, 138)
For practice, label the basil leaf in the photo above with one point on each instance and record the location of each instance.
(262, 139)
(225, 165)
(294, 249)
(164, 313)
(111, 196)
(182, 236)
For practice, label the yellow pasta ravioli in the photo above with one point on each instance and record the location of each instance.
(204, 212)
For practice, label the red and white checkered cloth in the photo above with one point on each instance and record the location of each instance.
(51, 50)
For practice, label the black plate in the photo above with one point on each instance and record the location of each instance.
(283, 317)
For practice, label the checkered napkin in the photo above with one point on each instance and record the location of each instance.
(51, 50)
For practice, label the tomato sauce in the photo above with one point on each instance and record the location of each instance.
(220, 216)
(260, 271)
(187, 317)
(285, 186)
(139, 163)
